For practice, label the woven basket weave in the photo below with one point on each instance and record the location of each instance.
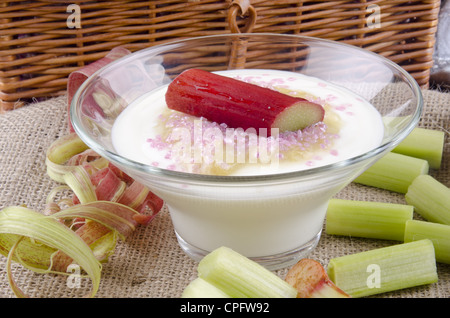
(41, 43)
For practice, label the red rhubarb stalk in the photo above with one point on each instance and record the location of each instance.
(240, 104)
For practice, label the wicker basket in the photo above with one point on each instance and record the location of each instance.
(42, 42)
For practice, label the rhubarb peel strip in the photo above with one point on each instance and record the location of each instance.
(77, 77)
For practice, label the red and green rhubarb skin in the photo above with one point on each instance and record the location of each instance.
(240, 104)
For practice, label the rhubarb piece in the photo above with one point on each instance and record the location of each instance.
(241, 277)
(311, 281)
(425, 144)
(394, 172)
(385, 269)
(377, 220)
(200, 288)
(430, 198)
(240, 104)
(439, 234)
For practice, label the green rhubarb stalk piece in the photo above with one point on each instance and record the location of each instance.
(241, 277)
(385, 269)
(377, 220)
(311, 281)
(439, 234)
(240, 104)
(200, 288)
(430, 198)
(394, 172)
(425, 144)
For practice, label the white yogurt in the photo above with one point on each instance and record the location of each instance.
(266, 220)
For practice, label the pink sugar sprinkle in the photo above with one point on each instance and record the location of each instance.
(334, 152)
(322, 84)
(318, 100)
(155, 163)
(309, 163)
(277, 81)
(157, 143)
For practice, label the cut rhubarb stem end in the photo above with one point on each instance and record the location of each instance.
(385, 269)
(394, 172)
(378, 220)
(439, 234)
(240, 277)
(200, 288)
(425, 144)
(430, 198)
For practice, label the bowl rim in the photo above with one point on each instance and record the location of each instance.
(187, 177)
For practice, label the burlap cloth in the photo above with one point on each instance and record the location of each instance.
(150, 263)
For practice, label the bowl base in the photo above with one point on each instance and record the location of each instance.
(271, 262)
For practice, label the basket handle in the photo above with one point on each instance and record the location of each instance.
(239, 44)
(243, 7)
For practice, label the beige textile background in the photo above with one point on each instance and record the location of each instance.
(150, 263)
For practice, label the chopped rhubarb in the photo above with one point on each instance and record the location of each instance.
(311, 281)
(239, 104)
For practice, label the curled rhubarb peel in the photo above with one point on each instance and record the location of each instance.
(240, 104)
(95, 205)
(77, 77)
(82, 227)
(45, 231)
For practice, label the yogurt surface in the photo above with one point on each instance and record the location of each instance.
(148, 132)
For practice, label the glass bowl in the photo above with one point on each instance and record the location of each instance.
(275, 218)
